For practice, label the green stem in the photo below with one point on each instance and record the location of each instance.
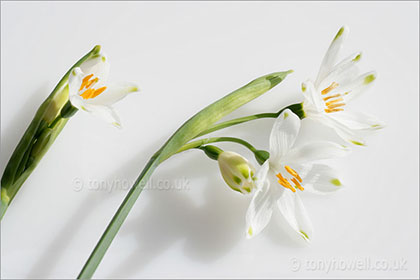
(296, 108)
(191, 128)
(201, 142)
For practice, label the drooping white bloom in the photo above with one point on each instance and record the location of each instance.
(288, 171)
(90, 92)
(337, 84)
(237, 171)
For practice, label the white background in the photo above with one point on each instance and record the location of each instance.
(185, 56)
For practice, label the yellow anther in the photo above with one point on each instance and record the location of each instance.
(329, 103)
(98, 91)
(85, 81)
(287, 185)
(330, 88)
(328, 110)
(297, 184)
(332, 96)
(92, 82)
(293, 172)
(86, 94)
(332, 106)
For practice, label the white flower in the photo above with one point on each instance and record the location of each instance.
(237, 171)
(287, 172)
(337, 84)
(90, 92)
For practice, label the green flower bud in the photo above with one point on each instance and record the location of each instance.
(237, 172)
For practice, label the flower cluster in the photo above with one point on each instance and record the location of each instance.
(290, 170)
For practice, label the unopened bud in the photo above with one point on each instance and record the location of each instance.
(237, 172)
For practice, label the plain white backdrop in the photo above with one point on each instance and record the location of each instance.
(185, 55)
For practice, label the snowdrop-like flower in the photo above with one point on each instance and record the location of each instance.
(237, 171)
(337, 84)
(90, 92)
(288, 171)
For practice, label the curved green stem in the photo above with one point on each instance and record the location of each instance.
(190, 129)
(201, 142)
(296, 108)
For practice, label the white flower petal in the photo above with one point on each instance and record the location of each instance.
(342, 130)
(262, 175)
(103, 112)
(312, 96)
(259, 211)
(343, 73)
(283, 134)
(75, 80)
(331, 56)
(357, 86)
(114, 93)
(359, 121)
(316, 151)
(292, 209)
(320, 179)
(98, 66)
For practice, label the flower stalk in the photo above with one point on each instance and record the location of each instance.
(200, 122)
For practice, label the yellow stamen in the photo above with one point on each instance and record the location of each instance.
(286, 185)
(86, 94)
(330, 88)
(332, 96)
(332, 106)
(85, 81)
(333, 110)
(297, 184)
(283, 181)
(293, 173)
(92, 82)
(333, 101)
(97, 92)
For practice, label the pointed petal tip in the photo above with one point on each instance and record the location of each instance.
(117, 125)
(249, 233)
(357, 56)
(76, 71)
(370, 77)
(342, 32)
(358, 143)
(96, 49)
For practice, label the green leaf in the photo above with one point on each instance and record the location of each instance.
(189, 130)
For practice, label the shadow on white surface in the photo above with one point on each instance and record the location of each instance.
(208, 230)
(59, 246)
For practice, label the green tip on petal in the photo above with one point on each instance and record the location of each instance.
(357, 58)
(303, 87)
(103, 58)
(96, 49)
(357, 143)
(304, 235)
(250, 231)
(286, 115)
(117, 125)
(336, 182)
(339, 33)
(370, 78)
